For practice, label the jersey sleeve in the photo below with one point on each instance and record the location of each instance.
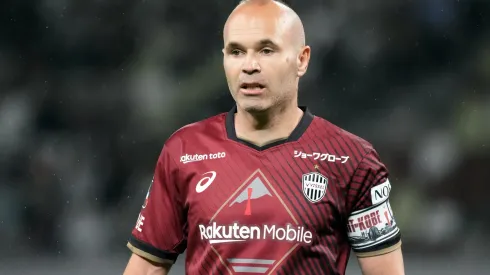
(159, 231)
(371, 226)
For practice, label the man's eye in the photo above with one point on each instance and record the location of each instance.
(267, 51)
(235, 52)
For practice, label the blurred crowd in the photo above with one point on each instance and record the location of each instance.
(90, 90)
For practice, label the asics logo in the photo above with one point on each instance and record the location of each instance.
(205, 182)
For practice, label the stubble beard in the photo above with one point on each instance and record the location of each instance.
(258, 105)
(266, 104)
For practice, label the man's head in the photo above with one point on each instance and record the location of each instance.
(264, 54)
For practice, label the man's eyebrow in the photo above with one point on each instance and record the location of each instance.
(261, 43)
(267, 42)
(233, 45)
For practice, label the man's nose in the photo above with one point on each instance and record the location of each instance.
(251, 66)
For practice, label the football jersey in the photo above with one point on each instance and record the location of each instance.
(295, 206)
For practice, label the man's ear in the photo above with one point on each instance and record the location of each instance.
(303, 60)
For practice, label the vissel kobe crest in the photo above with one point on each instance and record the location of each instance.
(314, 186)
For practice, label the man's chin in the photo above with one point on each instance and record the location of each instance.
(254, 108)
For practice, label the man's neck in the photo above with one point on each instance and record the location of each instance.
(267, 127)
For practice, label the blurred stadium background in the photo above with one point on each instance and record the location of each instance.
(91, 89)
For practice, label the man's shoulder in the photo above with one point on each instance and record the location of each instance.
(212, 126)
(327, 130)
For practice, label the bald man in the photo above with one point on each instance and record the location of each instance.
(267, 188)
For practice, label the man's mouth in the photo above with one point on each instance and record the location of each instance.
(252, 86)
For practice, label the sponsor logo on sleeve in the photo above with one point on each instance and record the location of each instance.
(148, 193)
(371, 226)
(380, 193)
(139, 223)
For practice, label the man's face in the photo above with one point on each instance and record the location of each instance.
(260, 65)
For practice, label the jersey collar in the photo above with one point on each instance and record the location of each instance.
(300, 129)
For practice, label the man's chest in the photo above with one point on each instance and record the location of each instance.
(254, 210)
(273, 190)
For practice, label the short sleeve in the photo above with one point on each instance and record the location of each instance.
(371, 226)
(159, 231)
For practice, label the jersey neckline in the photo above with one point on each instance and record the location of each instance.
(298, 131)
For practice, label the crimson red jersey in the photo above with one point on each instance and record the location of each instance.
(296, 206)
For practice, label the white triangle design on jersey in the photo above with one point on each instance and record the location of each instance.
(259, 190)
